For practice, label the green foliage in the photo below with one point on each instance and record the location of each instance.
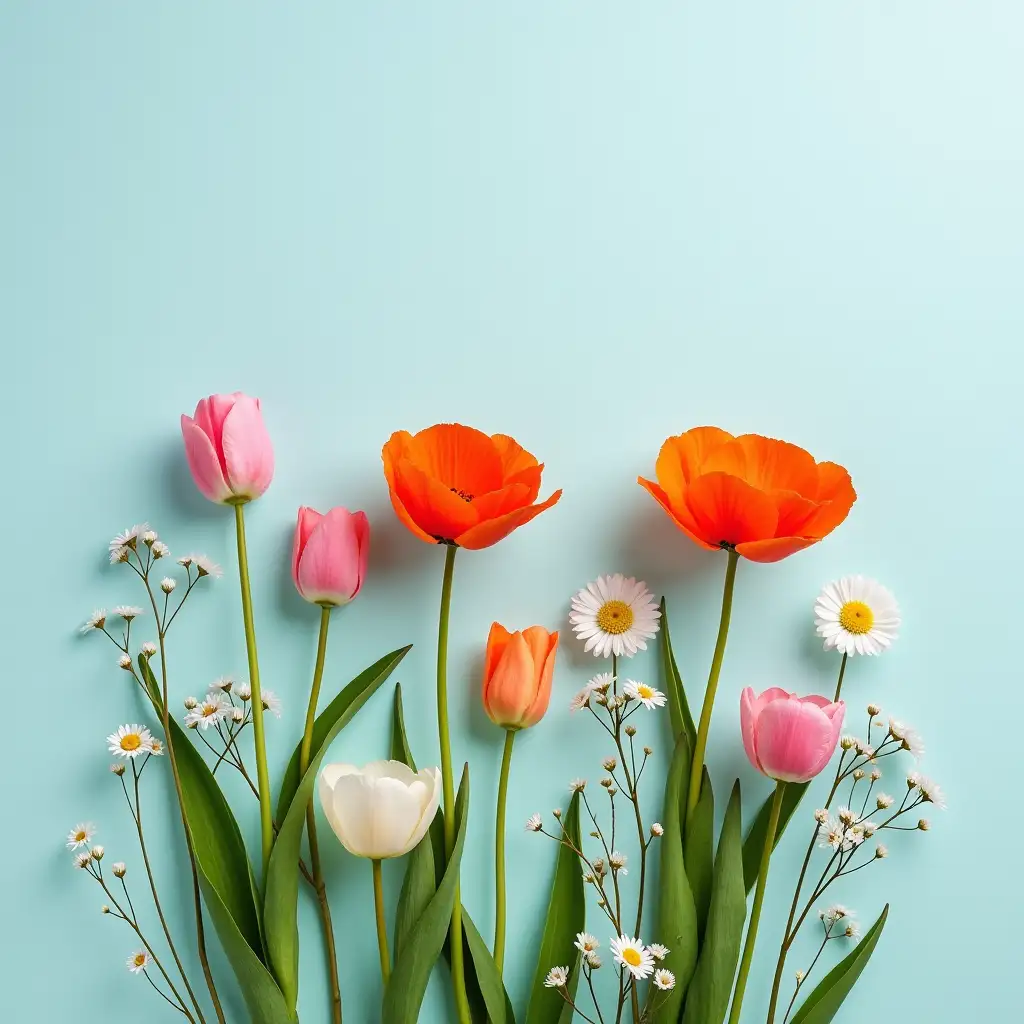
(678, 708)
(566, 915)
(707, 1001)
(824, 1002)
(754, 843)
(699, 849)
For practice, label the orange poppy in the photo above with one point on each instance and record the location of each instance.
(452, 484)
(763, 498)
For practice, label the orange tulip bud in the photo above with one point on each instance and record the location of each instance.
(517, 675)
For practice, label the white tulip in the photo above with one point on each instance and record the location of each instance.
(382, 810)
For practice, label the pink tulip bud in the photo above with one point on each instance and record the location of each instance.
(228, 448)
(329, 555)
(787, 737)
(517, 675)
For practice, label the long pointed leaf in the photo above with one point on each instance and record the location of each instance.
(678, 706)
(753, 845)
(404, 993)
(677, 915)
(699, 849)
(708, 999)
(824, 1002)
(567, 914)
(482, 973)
(282, 883)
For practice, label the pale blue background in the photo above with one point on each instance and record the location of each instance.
(590, 224)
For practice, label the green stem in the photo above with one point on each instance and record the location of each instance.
(697, 769)
(314, 847)
(755, 912)
(447, 782)
(382, 927)
(839, 681)
(499, 853)
(259, 738)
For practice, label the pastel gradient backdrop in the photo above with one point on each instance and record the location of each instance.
(590, 224)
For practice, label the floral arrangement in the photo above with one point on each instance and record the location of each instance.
(747, 497)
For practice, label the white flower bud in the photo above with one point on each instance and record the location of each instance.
(119, 869)
(657, 829)
(125, 662)
(96, 853)
(167, 584)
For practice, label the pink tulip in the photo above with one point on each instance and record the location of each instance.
(329, 555)
(228, 448)
(787, 737)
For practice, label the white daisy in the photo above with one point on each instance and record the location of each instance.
(95, 621)
(835, 913)
(664, 980)
(852, 930)
(129, 538)
(601, 683)
(243, 691)
(118, 555)
(149, 648)
(883, 801)
(534, 823)
(585, 942)
(557, 977)
(97, 853)
(237, 715)
(618, 862)
(580, 701)
(149, 538)
(125, 662)
(213, 708)
(856, 615)
(167, 584)
(658, 951)
(119, 869)
(223, 684)
(130, 741)
(118, 768)
(593, 960)
(208, 567)
(846, 816)
(138, 962)
(647, 695)
(577, 785)
(271, 702)
(156, 747)
(908, 736)
(931, 791)
(82, 861)
(881, 851)
(631, 954)
(81, 835)
(160, 549)
(127, 611)
(615, 615)
(831, 834)
(187, 560)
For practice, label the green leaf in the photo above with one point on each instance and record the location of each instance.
(679, 709)
(216, 838)
(753, 845)
(282, 883)
(324, 729)
(699, 849)
(405, 990)
(824, 1002)
(482, 972)
(677, 915)
(708, 999)
(400, 749)
(566, 915)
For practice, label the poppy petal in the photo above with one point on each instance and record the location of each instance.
(775, 549)
(489, 532)
(774, 465)
(679, 514)
(836, 494)
(462, 458)
(514, 457)
(727, 510)
(437, 509)
(680, 458)
(795, 512)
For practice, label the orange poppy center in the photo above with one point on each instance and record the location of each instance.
(462, 494)
(856, 617)
(131, 742)
(631, 956)
(615, 617)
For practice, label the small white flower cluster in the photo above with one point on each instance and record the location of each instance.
(218, 706)
(630, 954)
(848, 929)
(204, 566)
(80, 838)
(596, 692)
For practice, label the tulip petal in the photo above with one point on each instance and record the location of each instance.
(679, 514)
(727, 510)
(351, 813)
(497, 641)
(306, 521)
(536, 711)
(328, 570)
(247, 449)
(511, 688)
(484, 534)
(203, 462)
(794, 740)
(748, 722)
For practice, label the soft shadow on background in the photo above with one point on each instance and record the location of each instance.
(587, 224)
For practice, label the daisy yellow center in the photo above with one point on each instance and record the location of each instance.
(131, 742)
(615, 617)
(632, 956)
(645, 691)
(139, 960)
(856, 617)
(81, 836)
(209, 709)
